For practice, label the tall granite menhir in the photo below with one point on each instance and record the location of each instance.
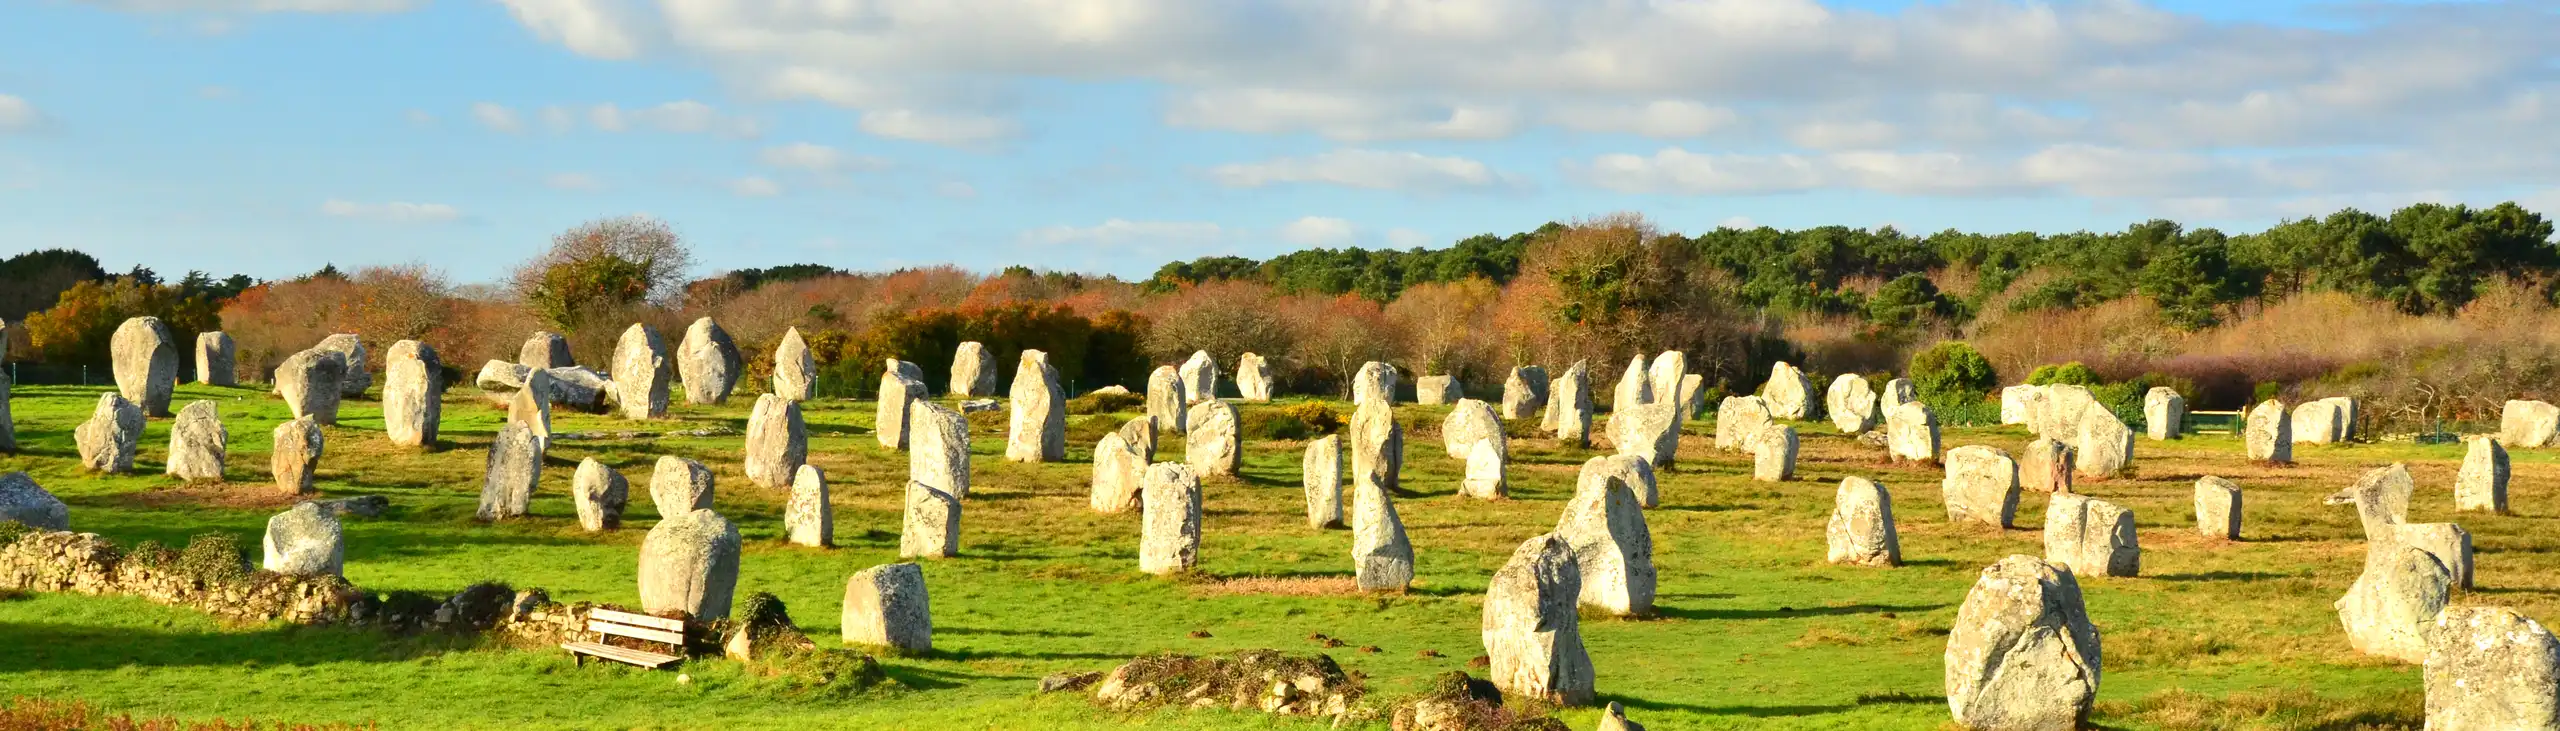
(146, 363)
(641, 372)
(1039, 425)
(412, 394)
(709, 363)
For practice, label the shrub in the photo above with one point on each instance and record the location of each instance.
(214, 558)
(2266, 390)
(1317, 416)
(1105, 403)
(1952, 369)
(2070, 374)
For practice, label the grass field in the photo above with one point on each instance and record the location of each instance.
(1756, 631)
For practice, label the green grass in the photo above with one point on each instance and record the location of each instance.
(1756, 630)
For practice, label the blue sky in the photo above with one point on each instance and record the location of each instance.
(270, 136)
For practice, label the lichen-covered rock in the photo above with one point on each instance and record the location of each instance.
(531, 407)
(1851, 402)
(217, 359)
(641, 373)
(2449, 543)
(1663, 377)
(2047, 465)
(2381, 497)
(2105, 446)
(2491, 669)
(689, 563)
(708, 362)
(973, 371)
(1436, 390)
(1605, 525)
(1981, 486)
(1169, 535)
(1484, 479)
(2013, 403)
(1212, 447)
(1524, 393)
(808, 519)
(1320, 473)
(499, 379)
(2058, 414)
(359, 375)
(1253, 378)
(1911, 432)
(2093, 537)
(938, 447)
(108, 438)
(2022, 655)
(1039, 425)
(145, 360)
(23, 501)
(887, 606)
(2218, 504)
(931, 527)
(1773, 454)
(795, 370)
(1381, 556)
(545, 350)
(1738, 419)
(305, 541)
(2529, 424)
(900, 389)
(296, 459)
(1377, 444)
(412, 394)
(1571, 406)
(1532, 629)
(309, 382)
(2394, 604)
(1199, 378)
(1164, 398)
(777, 442)
(1469, 422)
(1788, 393)
(1861, 530)
(1635, 387)
(2482, 484)
(2268, 433)
(2164, 413)
(678, 486)
(1140, 434)
(601, 493)
(514, 472)
(1119, 473)
(1896, 392)
(2319, 422)
(198, 443)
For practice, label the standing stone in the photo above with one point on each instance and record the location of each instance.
(1911, 432)
(1851, 404)
(1738, 419)
(809, 519)
(938, 453)
(1164, 398)
(2319, 422)
(1605, 525)
(2395, 602)
(1119, 473)
(309, 382)
(795, 370)
(1861, 529)
(1789, 393)
(2491, 669)
(1773, 454)
(1532, 628)
(1693, 396)
(2061, 411)
(709, 363)
(678, 486)
(2218, 508)
(886, 606)
(2164, 413)
(579, 387)
(1039, 432)
(1169, 537)
(1199, 378)
(1662, 379)
(931, 528)
(1381, 556)
(531, 407)
(1469, 422)
(1634, 471)
(305, 541)
(2268, 435)
(1436, 390)
(1212, 448)
(2013, 403)
(1614, 718)
(2381, 497)
(1635, 387)
(640, 373)
(545, 350)
(973, 371)
(1320, 473)
(1377, 445)
(601, 493)
(108, 438)
(1253, 378)
(2347, 411)
(1571, 403)
(1484, 479)
(412, 394)
(899, 388)
(514, 470)
(498, 380)
(1140, 436)
(217, 359)
(146, 363)
(2449, 543)
(358, 376)
(198, 442)
(21, 500)
(777, 441)
(2022, 655)
(1375, 382)
(2529, 424)
(2482, 484)
(2093, 537)
(296, 459)
(1981, 486)
(2105, 448)
(1524, 392)
(689, 563)
(1896, 392)
(2047, 465)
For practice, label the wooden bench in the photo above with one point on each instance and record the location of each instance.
(658, 630)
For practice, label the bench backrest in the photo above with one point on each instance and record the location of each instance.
(637, 626)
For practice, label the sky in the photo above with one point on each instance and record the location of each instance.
(269, 137)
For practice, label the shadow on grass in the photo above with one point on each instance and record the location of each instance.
(1009, 632)
(55, 647)
(2227, 576)
(1791, 612)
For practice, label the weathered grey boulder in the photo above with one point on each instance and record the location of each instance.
(2381, 498)
(1851, 404)
(198, 443)
(499, 380)
(1039, 426)
(931, 528)
(305, 541)
(2022, 655)
(1861, 529)
(1321, 475)
(1605, 525)
(1532, 628)
(1435, 390)
(777, 442)
(2013, 403)
(2449, 543)
(1773, 454)
(359, 375)
(23, 501)
(1571, 406)
(2394, 603)
(900, 389)
(580, 388)
(1253, 378)
(1614, 718)
(412, 394)
(2482, 484)
(1981, 486)
(1119, 473)
(601, 493)
(1140, 434)
(1484, 478)
(689, 563)
(545, 350)
(1169, 535)
(973, 371)
(1633, 471)
(1788, 393)
(2093, 537)
(1635, 386)
(2047, 465)
(514, 472)
(531, 407)
(678, 486)
(1199, 378)
(2319, 422)
(795, 371)
(2164, 413)
(641, 372)
(709, 363)
(2060, 413)
(2218, 507)
(1469, 422)
(2268, 434)
(938, 448)
(1377, 445)
(1374, 382)
(2491, 669)
(808, 519)
(1663, 377)
(1524, 392)
(217, 359)
(145, 359)
(1911, 432)
(296, 459)
(1738, 419)
(108, 438)
(1896, 392)
(887, 606)
(1165, 398)
(1693, 396)
(1381, 556)
(309, 382)
(2529, 424)
(2105, 446)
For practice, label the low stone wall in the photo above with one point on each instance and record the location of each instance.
(87, 564)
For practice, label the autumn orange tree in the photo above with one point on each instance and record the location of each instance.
(81, 324)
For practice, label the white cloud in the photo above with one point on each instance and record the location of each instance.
(1357, 168)
(755, 187)
(1405, 238)
(676, 117)
(16, 114)
(391, 212)
(1677, 170)
(1660, 118)
(558, 119)
(586, 26)
(1131, 237)
(497, 117)
(1354, 118)
(1738, 223)
(573, 181)
(1317, 231)
(260, 6)
(937, 128)
(818, 158)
